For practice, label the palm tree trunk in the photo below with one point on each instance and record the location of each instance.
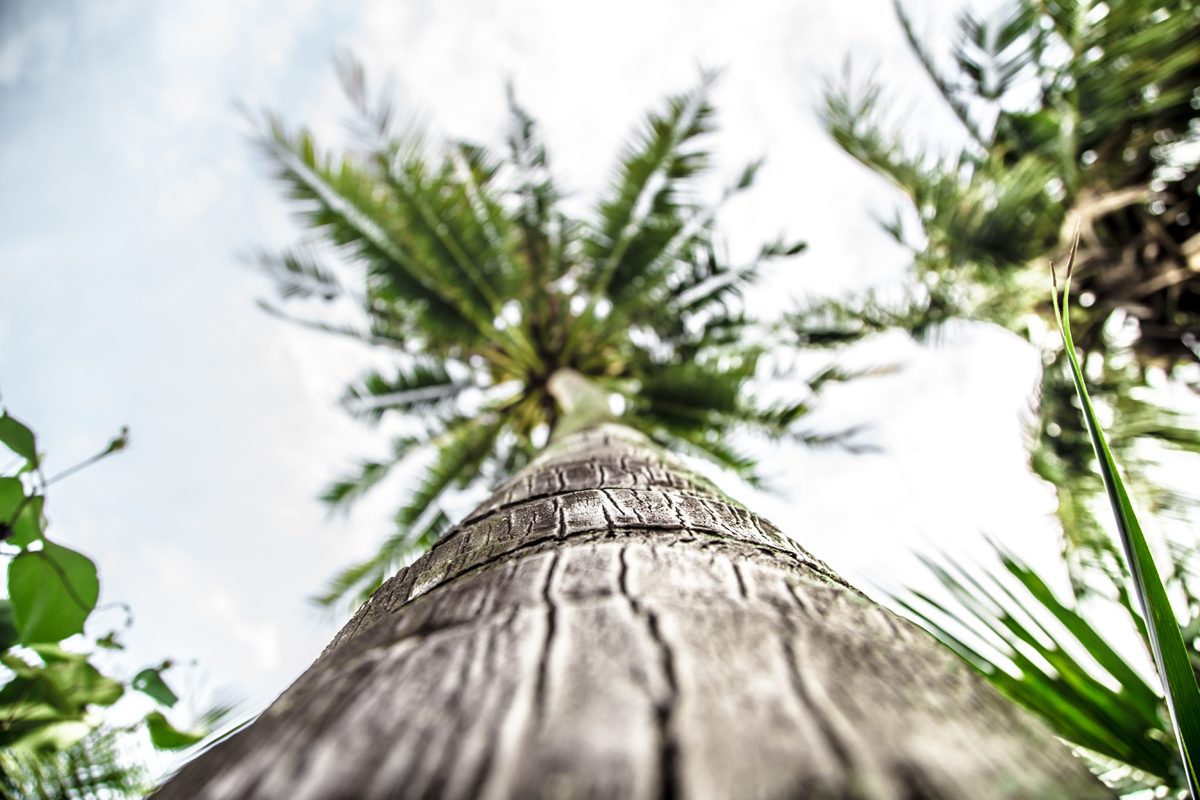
(609, 625)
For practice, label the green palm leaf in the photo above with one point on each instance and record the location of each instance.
(380, 336)
(642, 218)
(345, 491)
(1008, 636)
(538, 195)
(346, 205)
(461, 450)
(299, 273)
(411, 388)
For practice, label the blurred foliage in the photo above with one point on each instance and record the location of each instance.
(1077, 115)
(470, 270)
(93, 768)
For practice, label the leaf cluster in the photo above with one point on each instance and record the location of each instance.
(50, 685)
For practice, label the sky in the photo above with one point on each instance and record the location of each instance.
(130, 194)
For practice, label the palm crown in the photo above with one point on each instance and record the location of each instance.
(482, 286)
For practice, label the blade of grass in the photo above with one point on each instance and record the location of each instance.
(1170, 653)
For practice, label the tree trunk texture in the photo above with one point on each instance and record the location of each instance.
(610, 625)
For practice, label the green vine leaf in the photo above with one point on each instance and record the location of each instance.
(150, 683)
(17, 437)
(52, 591)
(165, 736)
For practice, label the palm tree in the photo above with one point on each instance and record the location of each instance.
(607, 623)
(1077, 116)
(480, 286)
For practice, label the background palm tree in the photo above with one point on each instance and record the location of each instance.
(481, 279)
(1077, 115)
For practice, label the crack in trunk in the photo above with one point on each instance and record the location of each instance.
(543, 675)
(669, 782)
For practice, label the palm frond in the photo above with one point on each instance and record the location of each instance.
(833, 322)
(705, 445)
(994, 53)
(344, 202)
(692, 393)
(498, 229)
(452, 224)
(852, 114)
(372, 337)
(412, 388)
(347, 490)
(1031, 648)
(642, 217)
(692, 402)
(440, 228)
(299, 273)
(998, 217)
(950, 93)
(461, 452)
(1119, 55)
(672, 269)
(709, 280)
(537, 192)
(375, 117)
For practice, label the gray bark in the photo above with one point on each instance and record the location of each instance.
(609, 625)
